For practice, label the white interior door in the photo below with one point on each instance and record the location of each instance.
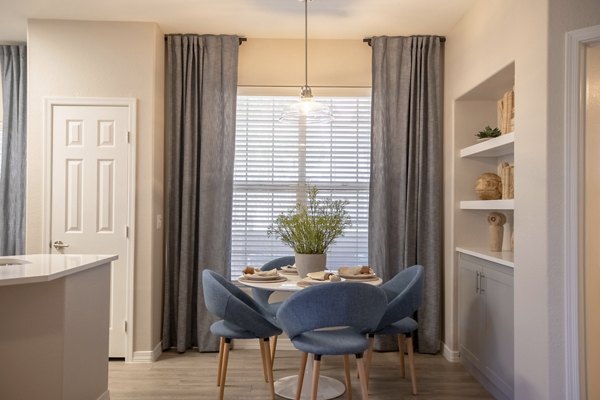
(90, 196)
(591, 272)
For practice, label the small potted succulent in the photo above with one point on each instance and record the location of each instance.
(488, 133)
(310, 229)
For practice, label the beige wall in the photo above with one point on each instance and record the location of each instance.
(331, 63)
(106, 59)
(592, 221)
(530, 33)
(475, 50)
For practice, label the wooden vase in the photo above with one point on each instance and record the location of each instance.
(496, 221)
(488, 186)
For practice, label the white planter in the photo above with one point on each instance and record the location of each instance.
(306, 263)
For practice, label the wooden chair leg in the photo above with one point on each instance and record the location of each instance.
(411, 364)
(264, 361)
(315, 377)
(347, 376)
(221, 349)
(273, 348)
(267, 357)
(301, 375)
(224, 368)
(369, 357)
(401, 354)
(363, 376)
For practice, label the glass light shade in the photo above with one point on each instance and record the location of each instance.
(306, 111)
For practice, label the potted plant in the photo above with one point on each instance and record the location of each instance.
(488, 133)
(310, 229)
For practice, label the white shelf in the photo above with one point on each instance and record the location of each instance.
(506, 258)
(495, 147)
(487, 204)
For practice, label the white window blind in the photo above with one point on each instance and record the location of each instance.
(274, 163)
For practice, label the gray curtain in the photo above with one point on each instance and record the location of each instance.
(201, 90)
(13, 68)
(405, 209)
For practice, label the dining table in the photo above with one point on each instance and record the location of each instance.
(288, 280)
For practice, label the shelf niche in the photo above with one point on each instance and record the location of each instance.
(473, 111)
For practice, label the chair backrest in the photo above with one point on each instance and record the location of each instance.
(262, 295)
(226, 301)
(405, 295)
(358, 305)
(278, 263)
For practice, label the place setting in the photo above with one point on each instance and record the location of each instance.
(253, 274)
(289, 269)
(359, 273)
(363, 273)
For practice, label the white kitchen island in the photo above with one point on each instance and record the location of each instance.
(54, 325)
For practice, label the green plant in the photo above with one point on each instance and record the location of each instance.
(488, 132)
(312, 227)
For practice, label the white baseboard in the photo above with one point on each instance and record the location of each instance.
(148, 356)
(105, 395)
(449, 354)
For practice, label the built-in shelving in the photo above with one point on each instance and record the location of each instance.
(508, 204)
(495, 147)
(485, 278)
(499, 257)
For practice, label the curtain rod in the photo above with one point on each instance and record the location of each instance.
(316, 86)
(368, 40)
(240, 40)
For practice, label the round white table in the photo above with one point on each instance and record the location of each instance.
(329, 388)
(291, 284)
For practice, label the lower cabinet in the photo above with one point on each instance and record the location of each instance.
(486, 321)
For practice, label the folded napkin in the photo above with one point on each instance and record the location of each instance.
(323, 276)
(271, 272)
(364, 270)
(257, 272)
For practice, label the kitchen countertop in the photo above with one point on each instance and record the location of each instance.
(34, 268)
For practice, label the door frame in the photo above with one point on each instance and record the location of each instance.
(131, 104)
(575, 44)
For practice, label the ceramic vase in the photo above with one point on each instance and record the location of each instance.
(306, 263)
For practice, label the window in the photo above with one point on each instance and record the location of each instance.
(275, 162)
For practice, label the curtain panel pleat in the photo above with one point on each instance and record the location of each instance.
(406, 192)
(201, 90)
(13, 69)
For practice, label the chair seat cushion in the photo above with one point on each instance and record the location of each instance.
(331, 342)
(229, 330)
(405, 325)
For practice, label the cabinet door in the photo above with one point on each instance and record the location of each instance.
(470, 312)
(498, 330)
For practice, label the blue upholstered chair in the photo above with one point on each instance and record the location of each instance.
(241, 318)
(350, 307)
(262, 295)
(404, 294)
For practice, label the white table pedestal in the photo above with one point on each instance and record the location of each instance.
(329, 388)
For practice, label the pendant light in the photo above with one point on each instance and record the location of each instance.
(307, 110)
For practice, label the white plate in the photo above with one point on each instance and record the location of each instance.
(263, 278)
(351, 273)
(308, 281)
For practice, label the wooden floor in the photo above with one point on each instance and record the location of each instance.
(193, 375)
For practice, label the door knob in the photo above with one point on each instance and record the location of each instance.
(59, 245)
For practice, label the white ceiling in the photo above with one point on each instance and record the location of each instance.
(333, 19)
